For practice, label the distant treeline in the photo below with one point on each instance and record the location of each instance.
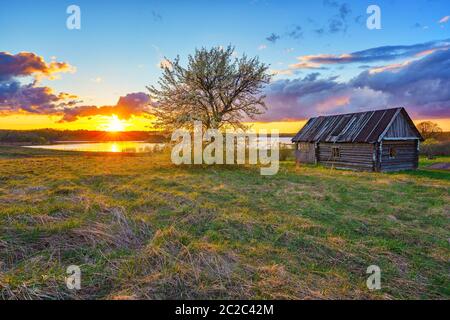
(443, 136)
(438, 145)
(435, 148)
(45, 136)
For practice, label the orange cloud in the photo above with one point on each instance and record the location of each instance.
(281, 72)
(390, 67)
(327, 58)
(304, 65)
(316, 62)
(133, 104)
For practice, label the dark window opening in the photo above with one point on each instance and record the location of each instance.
(392, 153)
(335, 152)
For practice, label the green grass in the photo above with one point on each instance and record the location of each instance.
(140, 227)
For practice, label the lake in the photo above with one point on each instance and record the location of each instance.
(116, 147)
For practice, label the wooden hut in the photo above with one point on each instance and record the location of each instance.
(381, 140)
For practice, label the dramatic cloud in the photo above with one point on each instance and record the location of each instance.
(133, 104)
(422, 86)
(16, 97)
(384, 53)
(309, 96)
(28, 64)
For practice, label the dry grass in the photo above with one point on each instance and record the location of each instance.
(141, 228)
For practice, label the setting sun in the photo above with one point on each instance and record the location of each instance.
(115, 124)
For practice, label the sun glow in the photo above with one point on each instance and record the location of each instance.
(115, 124)
(114, 147)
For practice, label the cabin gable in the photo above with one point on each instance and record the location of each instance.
(401, 128)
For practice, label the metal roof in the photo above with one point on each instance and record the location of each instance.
(366, 127)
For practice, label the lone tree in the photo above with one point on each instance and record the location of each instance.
(428, 129)
(215, 88)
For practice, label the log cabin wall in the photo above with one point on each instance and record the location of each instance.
(356, 156)
(399, 155)
(306, 152)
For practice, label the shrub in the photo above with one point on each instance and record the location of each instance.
(286, 153)
(432, 147)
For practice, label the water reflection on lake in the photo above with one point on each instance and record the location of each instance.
(119, 146)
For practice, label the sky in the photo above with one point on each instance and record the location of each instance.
(324, 58)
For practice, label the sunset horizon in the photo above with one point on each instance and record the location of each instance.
(319, 66)
(27, 122)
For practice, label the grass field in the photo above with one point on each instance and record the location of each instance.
(140, 227)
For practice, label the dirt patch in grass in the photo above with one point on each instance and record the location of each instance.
(440, 166)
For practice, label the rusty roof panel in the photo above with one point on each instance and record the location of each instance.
(360, 125)
(369, 126)
(353, 127)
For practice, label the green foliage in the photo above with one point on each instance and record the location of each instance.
(286, 153)
(431, 147)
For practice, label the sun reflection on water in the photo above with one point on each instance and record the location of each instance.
(114, 147)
